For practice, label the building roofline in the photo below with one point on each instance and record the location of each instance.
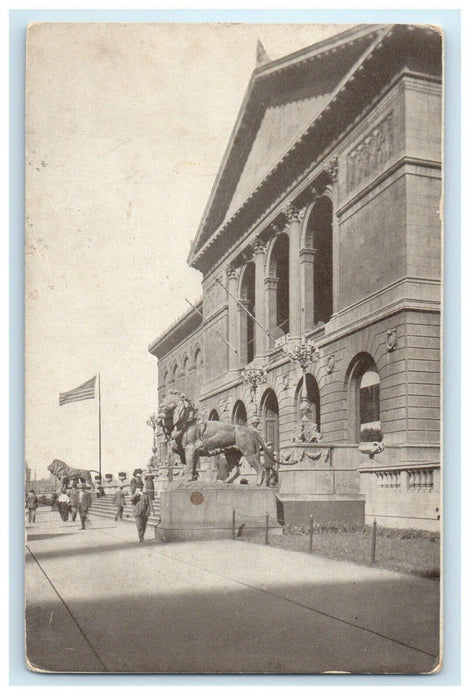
(178, 325)
(383, 32)
(263, 71)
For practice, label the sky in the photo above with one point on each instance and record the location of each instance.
(126, 125)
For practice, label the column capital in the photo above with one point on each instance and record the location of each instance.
(332, 168)
(271, 283)
(293, 213)
(232, 272)
(307, 253)
(259, 246)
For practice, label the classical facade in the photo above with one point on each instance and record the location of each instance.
(323, 229)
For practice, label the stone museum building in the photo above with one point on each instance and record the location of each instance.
(320, 253)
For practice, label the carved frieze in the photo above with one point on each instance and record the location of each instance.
(296, 454)
(371, 153)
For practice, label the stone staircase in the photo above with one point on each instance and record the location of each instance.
(105, 508)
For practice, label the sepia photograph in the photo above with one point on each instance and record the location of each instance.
(233, 340)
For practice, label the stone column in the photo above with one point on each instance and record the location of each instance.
(294, 217)
(233, 274)
(270, 292)
(307, 261)
(259, 249)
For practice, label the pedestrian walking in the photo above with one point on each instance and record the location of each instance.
(84, 503)
(54, 499)
(64, 502)
(119, 500)
(31, 505)
(142, 509)
(139, 484)
(74, 494)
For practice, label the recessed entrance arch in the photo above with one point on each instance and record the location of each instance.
(278, 294)
(320, 234)
(312, 393)
(270, 417)
(239, 416)
(247, 324)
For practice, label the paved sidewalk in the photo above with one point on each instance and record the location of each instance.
(98, 601)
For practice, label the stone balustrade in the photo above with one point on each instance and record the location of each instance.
(402, 496)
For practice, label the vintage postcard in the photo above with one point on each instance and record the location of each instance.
(233, 348)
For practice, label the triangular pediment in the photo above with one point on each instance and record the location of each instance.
(283, 98)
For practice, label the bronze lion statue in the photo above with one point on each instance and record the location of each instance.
(67, 474)
(192, 438)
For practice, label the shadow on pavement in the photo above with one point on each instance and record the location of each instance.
(283, 629)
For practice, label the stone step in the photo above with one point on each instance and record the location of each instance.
(105, 508)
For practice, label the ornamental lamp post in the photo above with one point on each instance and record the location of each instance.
(254, 377)
(304, 353)
(152, 422)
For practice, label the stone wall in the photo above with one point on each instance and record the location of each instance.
(187, 357)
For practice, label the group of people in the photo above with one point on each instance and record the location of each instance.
(73, 501)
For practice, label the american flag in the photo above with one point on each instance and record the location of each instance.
(80, 393)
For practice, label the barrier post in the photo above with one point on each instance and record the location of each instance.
(266, 540)
(310, 534)
(374, 541)
(233, 523)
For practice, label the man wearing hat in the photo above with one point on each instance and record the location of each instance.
(142, 509)
(84, 503)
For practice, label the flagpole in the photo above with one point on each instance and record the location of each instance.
(99, 423)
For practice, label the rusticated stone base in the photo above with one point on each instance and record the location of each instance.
(197, 511)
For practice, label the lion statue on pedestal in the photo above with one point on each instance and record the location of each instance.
(192, 438)
(66, 474)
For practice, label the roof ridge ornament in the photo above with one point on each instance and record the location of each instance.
(261, 55)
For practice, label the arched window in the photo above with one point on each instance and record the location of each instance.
(312, 393)
(364, 395)
(247, 325)
(198, 359)
(270, 418)
(369, 400)
(239, 416)
(213, 415)
(278, 295)
(198, 376)
(174, 377)
(186, 378)
(320, 234)
(165, 382)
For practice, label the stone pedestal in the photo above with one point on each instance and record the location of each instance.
(203, 511)
(313, 485)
